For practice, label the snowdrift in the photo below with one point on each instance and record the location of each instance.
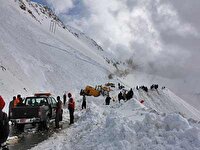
(163, 100)
(126, 126)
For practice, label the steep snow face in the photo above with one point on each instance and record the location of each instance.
(161, 100)
(36, 59)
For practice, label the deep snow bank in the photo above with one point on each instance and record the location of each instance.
(125, 126)
(163, 100)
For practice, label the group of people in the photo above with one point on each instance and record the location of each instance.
(123, 95)
(71, 106)
(120, 86)
(153, 86)
(144, 88)
(17, 101)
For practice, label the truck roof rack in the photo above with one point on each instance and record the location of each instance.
(42, 94)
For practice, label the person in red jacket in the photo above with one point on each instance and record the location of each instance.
(71, 107)
(4, 126)
(2, 102)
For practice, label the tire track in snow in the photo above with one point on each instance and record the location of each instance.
(76, 54)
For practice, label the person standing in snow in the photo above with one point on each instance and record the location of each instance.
(4, 125)
(120, 96)
(64, 98)
(71, 107)
(107, 100)
(129, 95)
(58, 111)
(124, 94)
(119, 87)
(20, 102)
(84, 102)
(17, 100)
(11, 105)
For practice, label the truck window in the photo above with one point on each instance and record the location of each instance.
(49, 100)
(54, 102)
(35, 101)
(29, 102)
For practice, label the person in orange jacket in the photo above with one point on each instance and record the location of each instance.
(71, 107)
(17, 100)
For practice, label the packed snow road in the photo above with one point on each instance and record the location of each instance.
(31, 136)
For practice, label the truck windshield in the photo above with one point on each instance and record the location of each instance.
(35, 101)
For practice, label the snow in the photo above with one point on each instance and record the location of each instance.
(39, 60)
(128, 125)
(161, 100)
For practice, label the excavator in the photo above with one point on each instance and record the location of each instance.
(97, 91)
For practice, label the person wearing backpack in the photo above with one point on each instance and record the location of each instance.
(71, 107)
(4, 125)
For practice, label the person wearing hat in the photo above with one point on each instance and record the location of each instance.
(71, 107)
(4, 126)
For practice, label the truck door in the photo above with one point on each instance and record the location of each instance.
(50, 106)
(54, 107)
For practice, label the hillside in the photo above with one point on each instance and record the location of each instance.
(35, 59)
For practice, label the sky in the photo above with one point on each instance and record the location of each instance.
(161, 36)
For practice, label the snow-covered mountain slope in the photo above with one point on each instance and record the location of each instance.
(35, 59)
(161, 100)
(167, 102)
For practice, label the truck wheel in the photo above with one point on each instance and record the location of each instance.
(44, 124)
(34, 124)
(20, 127)
(47, 123)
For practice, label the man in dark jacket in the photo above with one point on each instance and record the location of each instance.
(71, 107)
(120, 96)
(129, 95)
(11, 106)
(58, 111)
(4, 126)
(64, 99)
(84, 102)
(108, 98)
